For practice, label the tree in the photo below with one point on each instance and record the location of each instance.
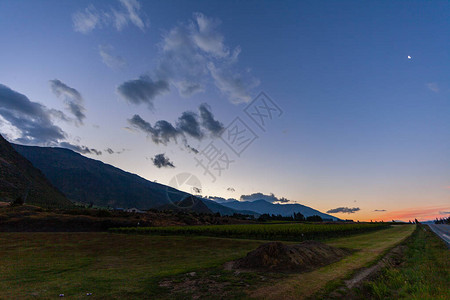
(18, 202)
(314, 218)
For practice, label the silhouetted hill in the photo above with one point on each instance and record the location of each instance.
(190, 203)
(226, 211)
(264, 207)
(19, 178)
(91, 181)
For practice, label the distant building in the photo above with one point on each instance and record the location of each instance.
(134, 210)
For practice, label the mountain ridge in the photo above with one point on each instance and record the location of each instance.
(20, 178)
(264, 207)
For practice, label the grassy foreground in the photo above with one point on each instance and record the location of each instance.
(117, 266)
(44, 265)
(368, 247)
(425, 273)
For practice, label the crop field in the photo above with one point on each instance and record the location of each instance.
(286, 232)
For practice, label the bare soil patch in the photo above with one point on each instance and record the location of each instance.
(279, 257)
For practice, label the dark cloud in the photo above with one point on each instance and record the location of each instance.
(260, 196)
(196, 190)
(110, 151)
(208, 121)
(230, 189)
(190, 148)
(344, 210)
(142, 90)
(80, 149)
(160, 160)
(444, 212)
(188, 123)
(72, 98)
(32, 119)
(379, 210)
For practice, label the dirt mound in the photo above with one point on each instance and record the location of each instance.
(276, 256)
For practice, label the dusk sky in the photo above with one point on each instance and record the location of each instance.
(351, 109)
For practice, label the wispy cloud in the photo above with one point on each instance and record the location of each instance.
(343, 210)
(127, 12)
(72, 98)
(80, 149)
(379, 210)
(420, 213)
(114, 62)
(194, 53)
(433, 86)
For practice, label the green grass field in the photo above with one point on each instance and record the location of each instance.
(423, 274)
(113, 266)
(282, 232)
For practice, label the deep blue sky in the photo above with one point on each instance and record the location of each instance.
(362, 126)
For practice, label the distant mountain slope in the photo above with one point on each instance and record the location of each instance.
(19, 178)
(91, 181)
(226, 211)
(190, 203)
(264, 207)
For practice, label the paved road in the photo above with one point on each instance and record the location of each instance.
(442, 230)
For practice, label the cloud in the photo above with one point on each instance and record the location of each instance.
(160, 160)
(80, 149)
(230, 189)
(232, 83)
(194, 53)
(142, 90)
(221, 200)
(85, 21)
(112, 61)
(444, 212)
(32, 121)
(162, 132)
(190, 148)
(72, 98)
(120, 16)
(207, 38)
(259, 196)
(433, 86)
(344, 210)
(379, 210)
(188, 124)
(208, 121)
(111, 151)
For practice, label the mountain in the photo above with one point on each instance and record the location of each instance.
(226, 211)
(87, 180)
(19, 178)
(190, 203)
(264, 207)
